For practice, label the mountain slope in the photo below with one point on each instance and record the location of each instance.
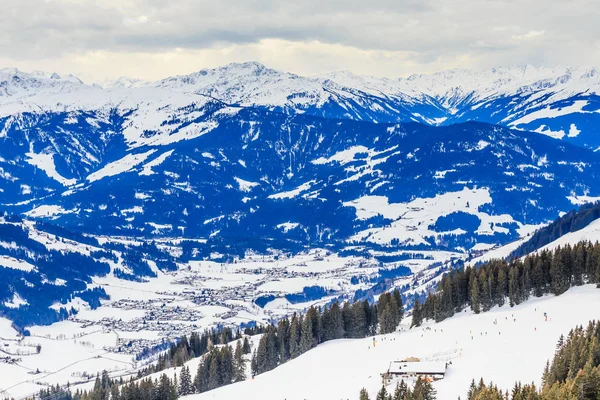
(257, 170)
(516, 349)
(48, 272)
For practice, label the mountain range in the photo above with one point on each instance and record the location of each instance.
(245, 158)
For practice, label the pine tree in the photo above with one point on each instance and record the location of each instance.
(254, 364)
(382, 394)
(364, 395)
(306, 338)
(214, 379)
(333, 324)
(501, 287)
(185, 382)
(295, 337)
(423, 390)
(416, 314)
(239, 365)
(401, 391)
(513, 286)
(475, 305)
(246, 348)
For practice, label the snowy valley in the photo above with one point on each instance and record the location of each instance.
(136, 213)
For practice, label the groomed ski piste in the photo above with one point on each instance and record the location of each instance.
(514, 349)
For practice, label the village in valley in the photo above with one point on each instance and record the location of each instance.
(141, 319)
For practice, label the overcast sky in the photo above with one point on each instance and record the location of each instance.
(151, 39)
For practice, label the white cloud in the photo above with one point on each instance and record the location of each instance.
(529, 35)
(151, 39)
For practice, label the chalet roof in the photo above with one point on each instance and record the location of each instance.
(421, 367)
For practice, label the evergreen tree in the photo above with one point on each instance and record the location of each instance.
(382, 394)
(254, 364)
(416, 315)
(185, 382)
(295, 337)
(364, 395)
(306, 335)
(239, 365)
(423, 390)
(214, 379)
(475, 304)
(501, 287)
(333, 324)
(246, 348)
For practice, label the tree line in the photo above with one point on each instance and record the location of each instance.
(294, 336)
(573, 374)
(515, 280)
(570, 222)
(222, 365)
(423, 390)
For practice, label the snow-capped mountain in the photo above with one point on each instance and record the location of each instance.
(245, 158)
(231, 142)
(559, 102)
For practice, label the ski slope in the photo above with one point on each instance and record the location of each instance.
(515, 349)
(590, 233)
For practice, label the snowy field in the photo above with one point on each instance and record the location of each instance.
(203, 294)
(515, 349)
(140, 315)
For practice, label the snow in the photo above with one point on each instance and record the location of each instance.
(343, 157)
(160, 228)
(295, 285)
(11, 262)
(46, 211)
(499, 252)
(154, 163)
(433, 367)
(6, 329)
(584, 199)
(544, 130)
(589, 233)
(293, 193)
(45, 162)
(16, 302)
(287, 226)
(125, 164)
(573, 131)
(411, 221)
(245, 186)
(505, 353)
(548, 112)
(76, 303)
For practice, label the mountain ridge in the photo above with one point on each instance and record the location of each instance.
(559, 102)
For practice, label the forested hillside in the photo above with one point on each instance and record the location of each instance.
(570, 222)
(515, 280)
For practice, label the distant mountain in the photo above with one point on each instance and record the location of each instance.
(245, 158)
(558, 102)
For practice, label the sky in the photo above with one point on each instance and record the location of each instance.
(152, 39)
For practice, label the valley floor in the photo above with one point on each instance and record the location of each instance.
(516, 348)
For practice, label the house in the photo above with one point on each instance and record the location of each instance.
(429, 370)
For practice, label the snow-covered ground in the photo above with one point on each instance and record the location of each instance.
(413, 221)
(589, 233)
(140, 315)
(516, 349)
(202, 294)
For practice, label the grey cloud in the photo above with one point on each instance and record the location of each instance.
(429, 29)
